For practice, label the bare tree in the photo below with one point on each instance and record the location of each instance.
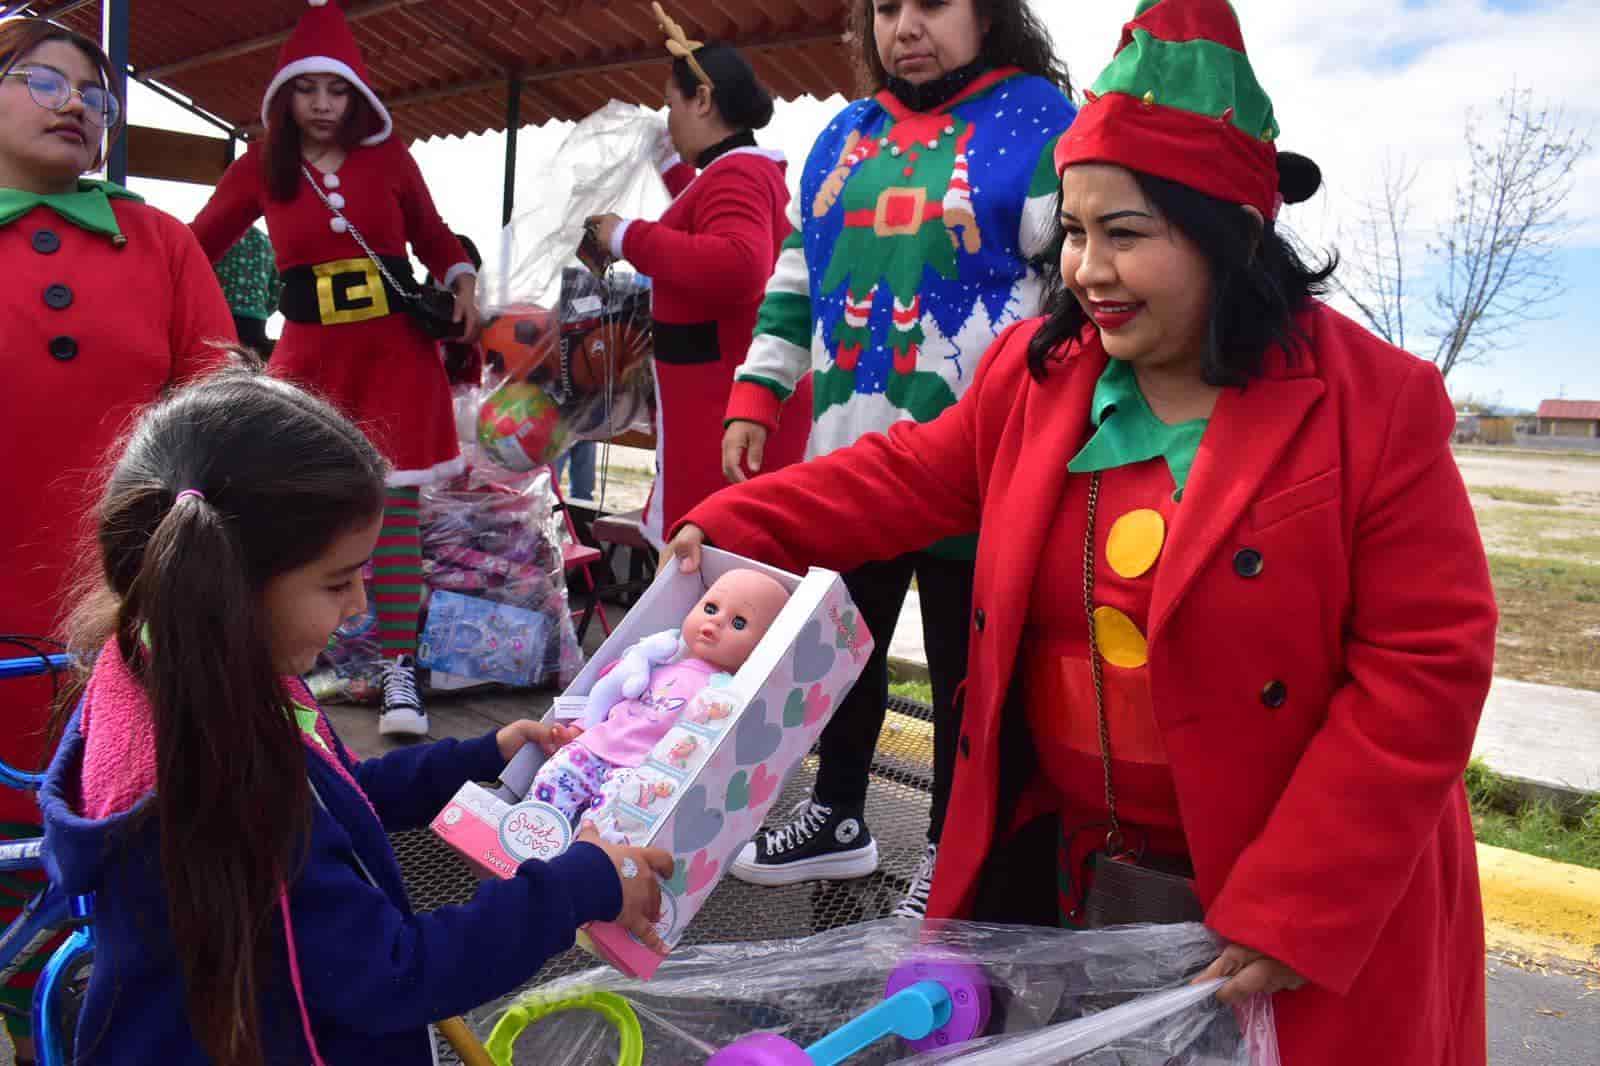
(1375, 278)
(1509, 217)
(1495, 254)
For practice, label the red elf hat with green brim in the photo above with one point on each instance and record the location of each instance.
(1181, 102)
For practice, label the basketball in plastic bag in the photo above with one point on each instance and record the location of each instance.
(520, 426)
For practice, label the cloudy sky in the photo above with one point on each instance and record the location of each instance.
(1351, 81)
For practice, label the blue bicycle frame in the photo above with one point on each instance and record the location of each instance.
(48, 912)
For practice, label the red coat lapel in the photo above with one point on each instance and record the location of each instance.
(1250, 428)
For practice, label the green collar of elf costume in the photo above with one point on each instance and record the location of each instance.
(1129, 432)
(88, 207)
(1180, 101)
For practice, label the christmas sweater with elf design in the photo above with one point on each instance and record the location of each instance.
(910, 253)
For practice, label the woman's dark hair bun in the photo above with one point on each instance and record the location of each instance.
(740, 97)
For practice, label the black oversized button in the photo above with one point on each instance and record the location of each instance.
(45, 241)
(966, 747)
(1274, 693)
(978, 619)
(58, 296)
(1247, 562)
(64, 348)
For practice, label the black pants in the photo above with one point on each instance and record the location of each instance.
(253, 334)
(944, 587)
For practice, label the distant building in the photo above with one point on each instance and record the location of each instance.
(1569, 418)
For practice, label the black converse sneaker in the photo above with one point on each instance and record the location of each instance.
(402, 715)
(818, 843)
(915, 905)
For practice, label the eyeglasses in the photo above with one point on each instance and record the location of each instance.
(52, 91)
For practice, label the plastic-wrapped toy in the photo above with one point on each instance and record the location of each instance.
(635, 704)
(899, 992)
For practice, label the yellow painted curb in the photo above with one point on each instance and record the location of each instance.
(1538, 907)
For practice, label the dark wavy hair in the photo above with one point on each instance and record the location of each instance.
(281, 155)
(1016, 38)
(19, 36)
(741, 99)
(283, 475)
(1258, 282)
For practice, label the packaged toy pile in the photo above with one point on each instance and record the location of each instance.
(569, 348)
(496, 592)
(1010, 995)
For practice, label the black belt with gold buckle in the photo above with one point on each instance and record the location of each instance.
(342, 291)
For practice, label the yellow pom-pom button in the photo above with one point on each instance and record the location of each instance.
(1119, 640)
(1135, 542)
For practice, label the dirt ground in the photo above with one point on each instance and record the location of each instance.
(1540, 518)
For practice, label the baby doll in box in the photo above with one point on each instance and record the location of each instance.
(631, 707)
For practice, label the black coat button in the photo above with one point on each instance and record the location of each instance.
(64, 348)
(58, 296)
(966, 747)
(1274, 693)
(45, 241)
(1247, 562)
(978, 619)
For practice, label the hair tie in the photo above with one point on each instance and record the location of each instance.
(186, 493)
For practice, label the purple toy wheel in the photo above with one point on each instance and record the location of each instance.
(969, 997)
(761, 1049)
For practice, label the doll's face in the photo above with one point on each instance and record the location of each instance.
(732, 617)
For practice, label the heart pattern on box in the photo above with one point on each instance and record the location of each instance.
(679, 879)
(694, 825)
(812, 658)
(702, 871)
(738, 797)
(755, 738)
(762, 785)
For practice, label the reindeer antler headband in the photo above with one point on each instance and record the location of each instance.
(679, 45)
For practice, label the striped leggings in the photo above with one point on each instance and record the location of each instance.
(397, 573)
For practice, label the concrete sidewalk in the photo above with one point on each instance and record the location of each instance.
(1543, 736)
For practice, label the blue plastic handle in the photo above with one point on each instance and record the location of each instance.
(911, 1013)
(29, 665)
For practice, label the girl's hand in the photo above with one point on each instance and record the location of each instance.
(551, 738)
(685, 547)
(1249, 972)
(638, 869)
(466, 290)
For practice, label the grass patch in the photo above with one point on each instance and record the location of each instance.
(1549, 620)
(1502, 819)
(920, 691)
(1512, 494)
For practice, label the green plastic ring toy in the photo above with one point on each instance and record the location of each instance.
(610, 1006)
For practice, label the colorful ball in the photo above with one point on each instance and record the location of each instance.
(520, 426)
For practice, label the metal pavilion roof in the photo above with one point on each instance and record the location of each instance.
(444, 67)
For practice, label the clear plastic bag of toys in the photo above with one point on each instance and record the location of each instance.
(1018, 996)
(493, 536)
(350, 669)
(569, 348)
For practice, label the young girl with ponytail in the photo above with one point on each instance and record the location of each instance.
(249, 908)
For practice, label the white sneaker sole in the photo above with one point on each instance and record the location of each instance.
(403, 723)
(841, 866)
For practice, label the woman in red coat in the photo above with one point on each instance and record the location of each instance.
(1227, 575)
(106, 302)
(708, 257)
(328, 171)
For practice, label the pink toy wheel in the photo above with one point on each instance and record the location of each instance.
(761, 1049)
(969, 997)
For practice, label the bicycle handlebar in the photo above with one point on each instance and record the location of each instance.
(28, 666)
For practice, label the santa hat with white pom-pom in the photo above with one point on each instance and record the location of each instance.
(323, 44)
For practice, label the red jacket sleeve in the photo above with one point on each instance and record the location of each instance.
(678, 177)
(883, 496)
(234, 205)
(1375, 780)
(201, 320)
(426, 232)
(728, 254)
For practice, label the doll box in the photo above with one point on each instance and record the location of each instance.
(710, 782)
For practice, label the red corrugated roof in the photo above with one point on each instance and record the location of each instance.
(441, 65)
(1584, 410)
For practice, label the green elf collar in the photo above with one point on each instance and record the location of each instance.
(89, 207)
(1128, 432)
